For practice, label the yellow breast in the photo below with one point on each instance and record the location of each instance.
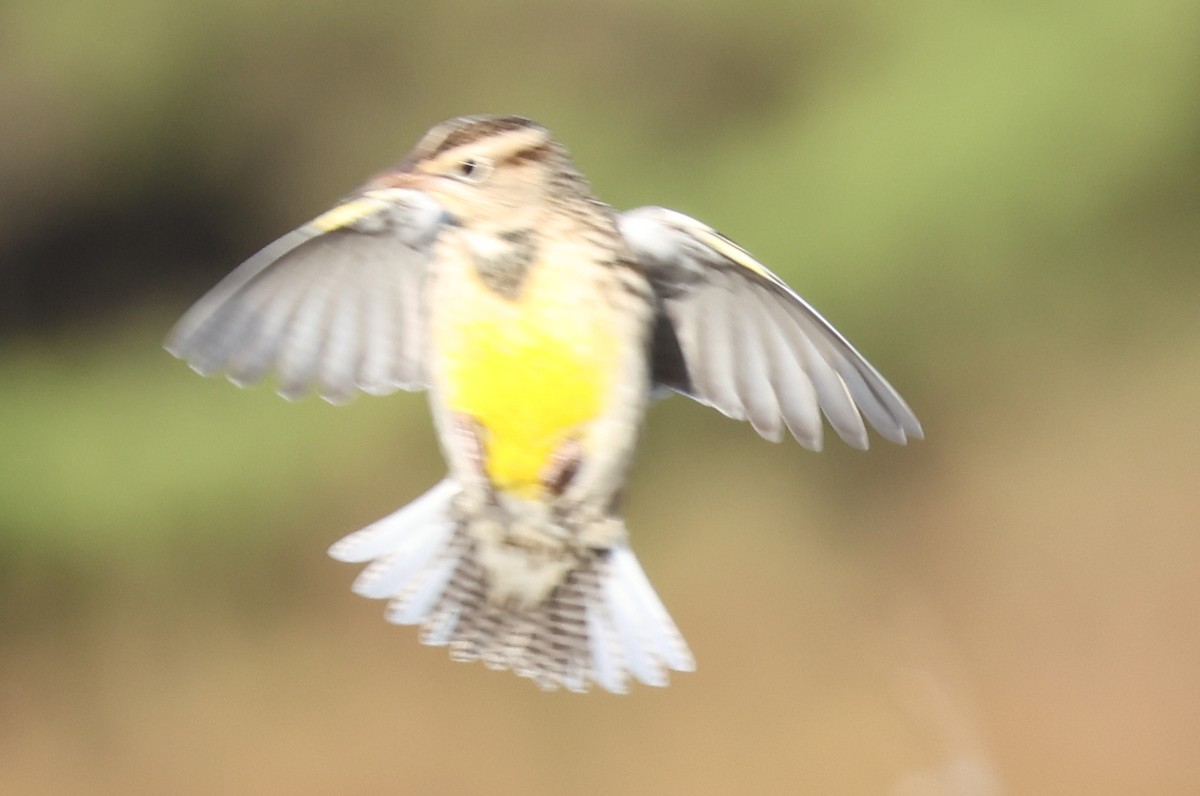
(531, 371)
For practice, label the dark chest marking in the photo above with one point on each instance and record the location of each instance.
(506, 270)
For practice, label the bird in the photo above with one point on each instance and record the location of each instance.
(541, 323)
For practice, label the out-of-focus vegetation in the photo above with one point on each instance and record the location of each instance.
(999, 203)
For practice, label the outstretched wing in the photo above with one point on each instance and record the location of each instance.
(336, 303)
(732, 335)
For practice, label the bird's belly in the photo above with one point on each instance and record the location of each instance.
(532, 371)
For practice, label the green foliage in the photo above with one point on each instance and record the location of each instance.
(114, 444)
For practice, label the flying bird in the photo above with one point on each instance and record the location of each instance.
(541, 323)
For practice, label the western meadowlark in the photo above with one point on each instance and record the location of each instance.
(482, 269)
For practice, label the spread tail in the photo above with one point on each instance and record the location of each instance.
(602, 623)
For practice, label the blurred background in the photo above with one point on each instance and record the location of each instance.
(998, 203)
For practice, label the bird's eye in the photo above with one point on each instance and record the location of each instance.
(473, 169)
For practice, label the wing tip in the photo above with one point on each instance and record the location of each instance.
(858, 442)
(905, 428)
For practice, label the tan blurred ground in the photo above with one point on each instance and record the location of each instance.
(999, 205)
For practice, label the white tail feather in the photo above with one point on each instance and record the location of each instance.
(605, 667)
(382, 536)
(623, 613)
(388, 576)
(652, 615)
(412, 606)
(602, 623)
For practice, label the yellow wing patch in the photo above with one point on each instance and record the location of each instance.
(345, 214)
(736, 254)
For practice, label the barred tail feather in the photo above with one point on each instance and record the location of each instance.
(602, 624)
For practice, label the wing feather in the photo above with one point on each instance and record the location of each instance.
(753, 373)
(710, 326)
(337, 304)
(304, 342)
(379, 325)
(885, 409)
(749, 345)
(797, 398)
(832, 396)
(336, 373)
